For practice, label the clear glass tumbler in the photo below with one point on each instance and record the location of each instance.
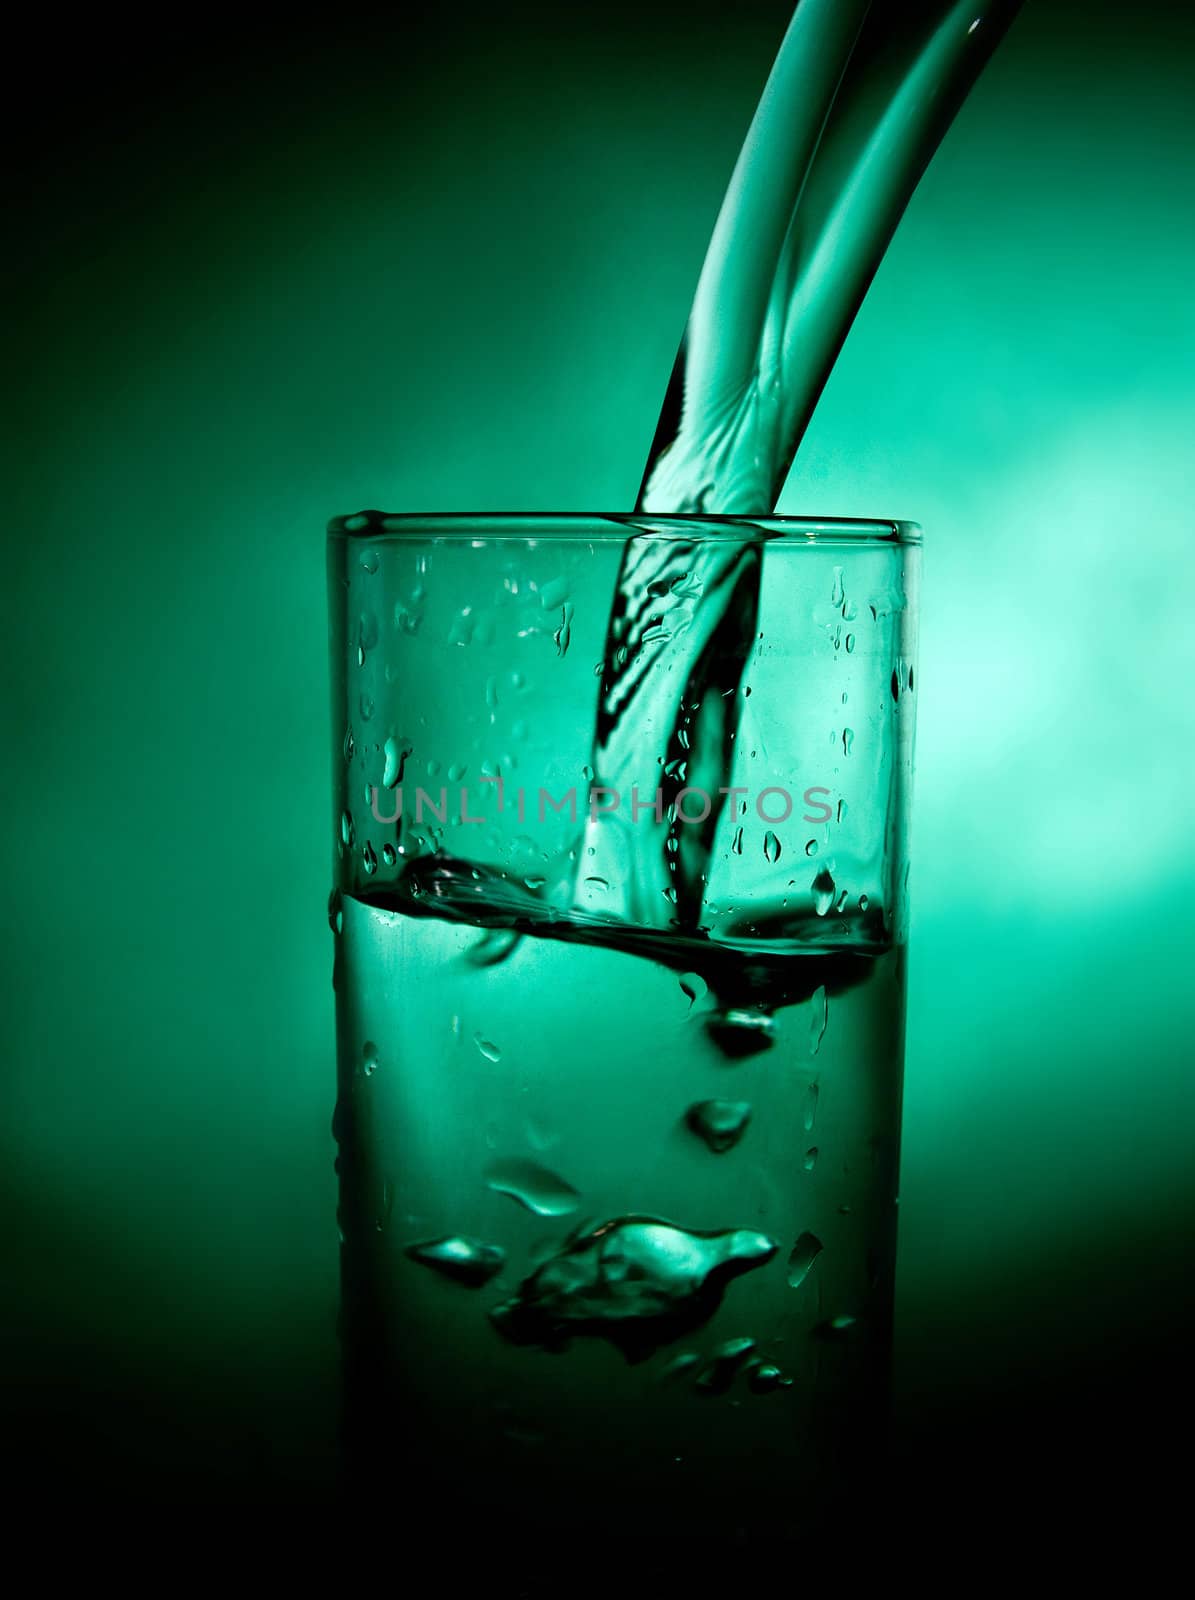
(619, 915)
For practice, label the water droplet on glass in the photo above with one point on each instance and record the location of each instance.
(395, 753)
(553, 593)
(466, 1261)
(801, 1257)
(679, 1366)
(838, 592)
(350, 743)
(811, 1099)
(457, 771)
(765, 1379)
(822, 889)
(369, 561)
(736, 844)
(369, 859)
(850, 646)
(347, 831)
(771, 847)
(639, 1282)
(895, 685)
(365, 705)
(811, 847)
(490, 1051)
(721, 1123)
(818, 1017)
(836, 1328)
(533, 1186)
(369, 1058)
(539, 1137)
(724, 1366)
(389, 855)
(811, 1158)
(864, 902)
(564, 632)
(848, 739)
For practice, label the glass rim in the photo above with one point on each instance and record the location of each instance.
(615, 527)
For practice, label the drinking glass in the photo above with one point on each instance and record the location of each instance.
(620, 817)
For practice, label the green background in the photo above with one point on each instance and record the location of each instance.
(441, 260)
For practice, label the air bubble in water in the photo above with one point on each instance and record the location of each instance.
(637, 1281)
(494, 946)
(771, 847)
(694, 986)
(533, 1186)
(721, 1123)
(467, 1261)
(741, 1030)
(801, 1258)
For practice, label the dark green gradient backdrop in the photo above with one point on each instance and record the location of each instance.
(442, 261)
